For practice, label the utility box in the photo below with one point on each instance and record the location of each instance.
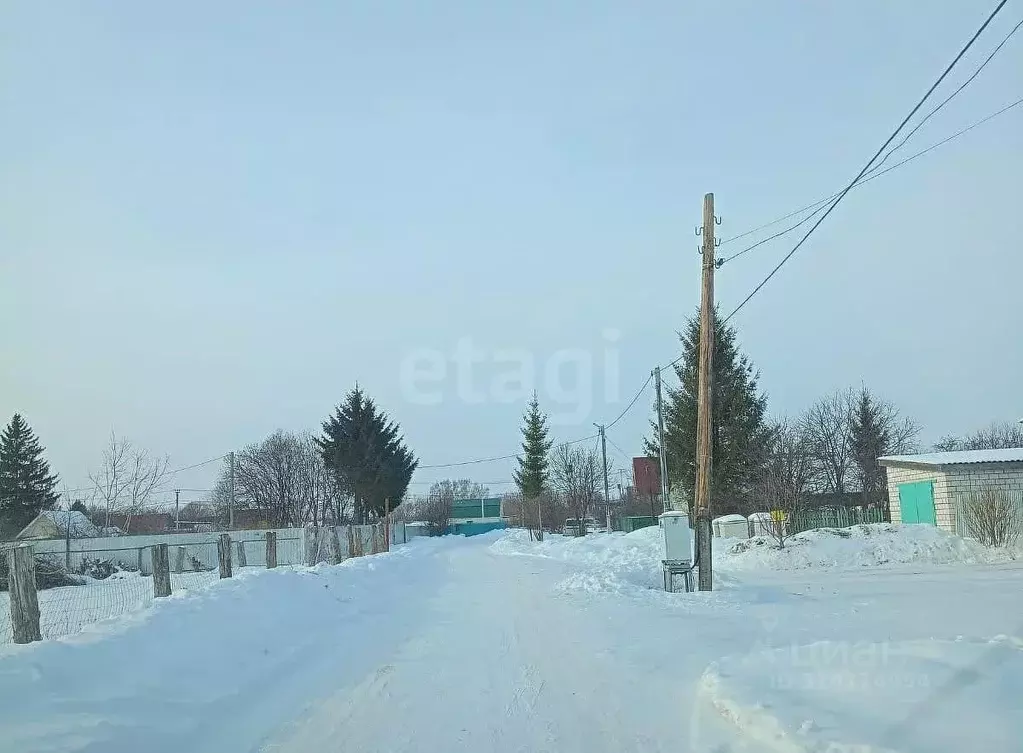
(678, 549)
(678, 536)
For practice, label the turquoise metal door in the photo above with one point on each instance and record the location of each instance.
(916, 502)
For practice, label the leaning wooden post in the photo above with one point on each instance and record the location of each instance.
(271, 549)
(161, 570)
(21, 583)
(224, 554)
(242, 561)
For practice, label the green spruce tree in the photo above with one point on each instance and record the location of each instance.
(534, 463)
(740, 437)
(367, 454)
(26, 484)
(868, 438)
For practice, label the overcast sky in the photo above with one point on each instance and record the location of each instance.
(215, 218)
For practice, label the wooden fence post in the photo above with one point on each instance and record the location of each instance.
(224, 554)
(271, 549)
(161, 570)
(21, 583)
(309, 542)
(179, 563)
(335, 546)
(242, 562)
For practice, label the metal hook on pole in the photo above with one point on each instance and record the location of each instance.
(699, 231)
(717, 220)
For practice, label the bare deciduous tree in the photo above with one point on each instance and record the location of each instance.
(126, 481)
(998, 436)
(828, 440)
(435, 511)
(285, 479)
(576, 475)
(833, 433)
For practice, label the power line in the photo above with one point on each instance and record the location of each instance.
(197, 465)
(499, 457)
(874, 173)
(951, 96)
(629, 406)
(620, 450)
(870, 162)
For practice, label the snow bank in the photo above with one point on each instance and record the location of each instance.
(859, 546)
(211, 670)
(622, 562)
(609, 563)
(923, 696)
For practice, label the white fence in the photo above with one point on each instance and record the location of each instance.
(193, 561)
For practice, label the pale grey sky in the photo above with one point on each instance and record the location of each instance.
(215, 218)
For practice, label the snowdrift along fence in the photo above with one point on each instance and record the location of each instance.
(82, 581)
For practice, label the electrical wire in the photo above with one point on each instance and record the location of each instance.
(951, 96)
(874, 173)
(629, 406)
(870, 162)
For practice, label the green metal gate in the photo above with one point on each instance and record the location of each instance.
(916, 502)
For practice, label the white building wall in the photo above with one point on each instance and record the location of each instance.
(952, 481)
(944, 510)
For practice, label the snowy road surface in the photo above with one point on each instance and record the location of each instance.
(447, 645)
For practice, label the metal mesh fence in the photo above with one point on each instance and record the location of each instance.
(104, 583)
(78, 585)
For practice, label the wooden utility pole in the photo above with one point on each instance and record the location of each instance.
(177, 509)
(662, 454)
(607, 494)
(705, 391)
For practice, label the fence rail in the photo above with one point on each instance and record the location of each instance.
(833, 517)
(82, 581)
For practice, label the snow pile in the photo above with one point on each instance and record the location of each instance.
(921, 696)
(211, 670)
(608, 563)
(859, 546)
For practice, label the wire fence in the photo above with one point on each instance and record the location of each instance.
(79, 583)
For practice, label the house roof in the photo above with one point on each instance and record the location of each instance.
(81, 526)
(964, 457)
(143, 522)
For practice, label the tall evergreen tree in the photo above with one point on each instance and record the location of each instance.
(367, 454)
(26, 484)
(534, 462)
(868, 440)
(740, 437)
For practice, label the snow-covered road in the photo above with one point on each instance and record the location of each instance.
(448, 645)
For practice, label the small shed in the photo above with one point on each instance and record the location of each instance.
(731, 527)
(938, 488)
(53, 524)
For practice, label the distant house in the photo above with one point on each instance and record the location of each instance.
(939, 487)
(473, 516)
(143, 523)
(53, 524)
